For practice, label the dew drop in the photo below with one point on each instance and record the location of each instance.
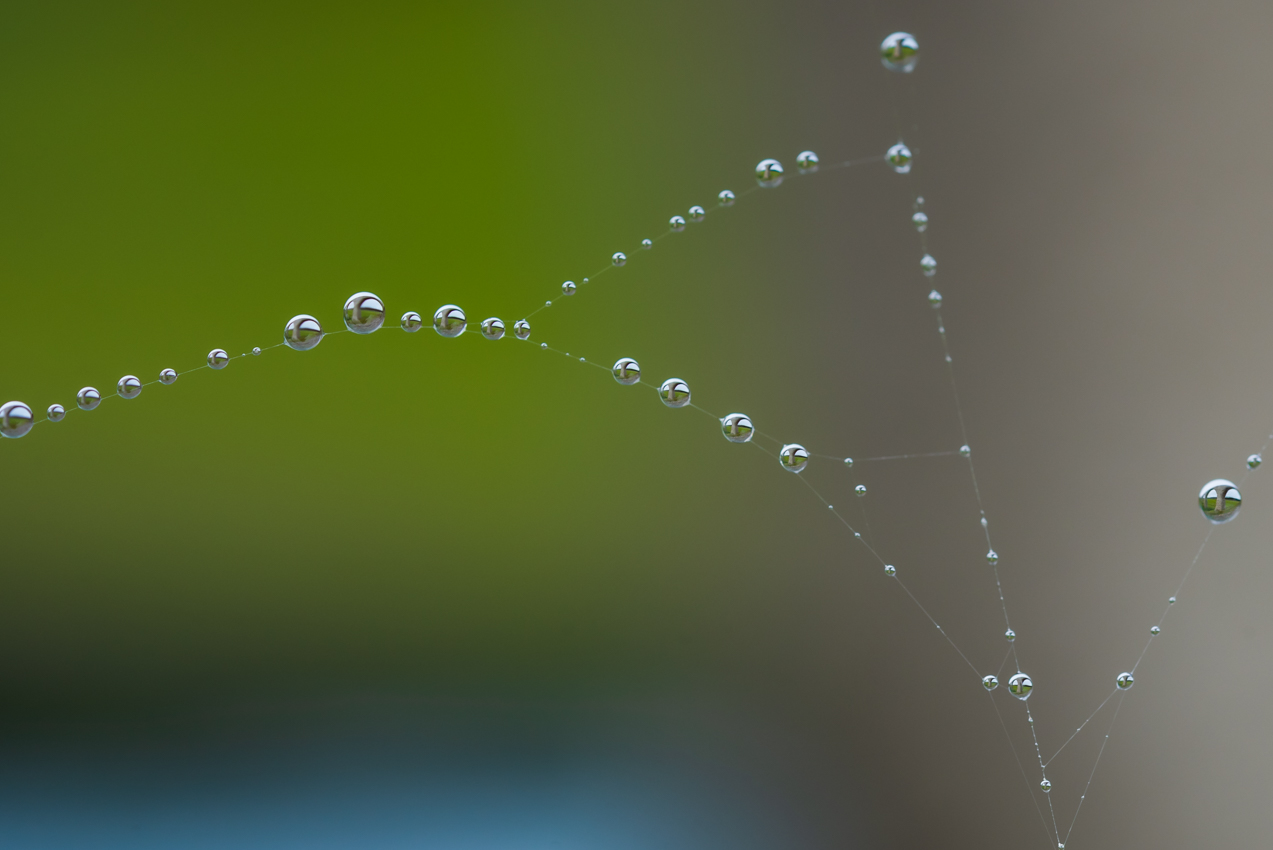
(769, 173)
(990, 682)
(675, 392)
(992, 557)
(696, 213)
(1154, 630)
(626, 371)
(1046, 786)
(983, 522)
(128, 387)
(568, 288)
(217, 358)
(677, 223)
(16, 419)
(449, 321)
(807, 162)
(412, 321)
(1219, 500)
(521, 329)
(920, 220)
(737, 428)
(965, 451)
(168, 376)
(1020, 686)
(303, 332)
(647, 244)
(890, 570)
(726, 198)
(364, 313)
(544, 346)
(848, 461)
(1171, 600)
(256, 352)
(548, 303)
(934, 298)
(56, 412)
(1125, 681)
(88, 398)
(1253, 461)
(899, 52)
(619, 258)
(1010, 635)
(860, 490)
(899, 156)
(493, 328)
(793, 457)
(928, 264)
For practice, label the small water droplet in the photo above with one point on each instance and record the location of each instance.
(1010, 635)
(585, 280)
(677, 223)
(737, 428)
(217, 358)
(965, 451)
(364, 313)
(583, 360)
(1125, 681)
(769, 173)
(793, 457)
(807, 162)
(1046, 786)
(548, 303)
(302, 332)
(1171, 600)
(992, 557)
(899, 156)
(675, 392)
(544, 346)
(928, 264)
(412, 321)
(626, 371)
(920, 220)
(696, 213)
(1020, 686)
(16, 419)
(947, 358)
(1253, 461)
(858, 535)
(168, 376)
(899, 52)
(934, 298)
(860, 490)
(1219, 500)
(1154, 630)
(619, 258)
(493, 328)
(647, 244)
(568, 288)
(890, 570)
(88, 398)
(983, 522)
(449, 321)
(56, 412)
(726, 198)
(256, 352)
(521, 329)
(848, 461)
(990, 682)
(128, 387)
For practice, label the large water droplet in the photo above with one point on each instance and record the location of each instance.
(492, 328)
(675, 392)
(364, 313)
(1219, 500)
(726, 198)
(990, 682)
(619, 258)
(521, 329)
(736, 427)
(928, 264)
(807, 162)
(16, 419)
(899, 156)
(128, 387)
(626, 371)
(697, 213)
(568, 288)
(860, 490)
(217, 358)
(920, 220)
(1125, 681)
(793, 457)
(449, 321)
(412, 321)
(769, 173)
(899, 52)
(303, 332)
(168, 376)
(88, 398)
(56, 412)
(1020, 686)
(677, 223)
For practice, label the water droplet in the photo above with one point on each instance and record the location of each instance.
(1010, 635)
(1154, 630)
(928, 264)
(983, 522)
(860, 490)
(302, 332)
(128, 387)
(737, 428)
(1125, 681)
(934, 298)
(647, 244)
(619, 258)
(696, 213)
(1045, 785)
(1020, 686)
(726, 198)
(1253, 461)
(992, 557)
(411, 321)
(899, 156)
(364, 313)
(88, 398)
(769, 173)
(56, 412)
(848, 461)
(626, 371)
(217, 358)
(676, 223)
(521, 329)
(1171, 600)
(965, 451)
(583, 359)
(675, 392)
(899, 52)
(548, 303)
(450, 321)
(492, 328)
(544, 346)
(16, 419)
(256, 352)
(857, 535)
(168, 376)
(793, 457)
(807, 162)
(1219, 500)
(920, 220)
(568, 288)
(947, 358)
(990, 682)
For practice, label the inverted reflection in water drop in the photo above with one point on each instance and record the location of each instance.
(737, 428)
(1020, 686)
(899, 52)
(168, 376)
(568, 288)
(990, 682)
(920, 220)
(793, 457)
(769, 173)
(697, 213)
(56, 412)
(88, 398)
(521, 329)
(674, 392)
(619, 258)
(899, 156)
(807, 162)
(16, 419)
(1125, 681)
(1219, 500)
(726, 198)
(677, 223)
(128, 387)
(302, 332)
(411, 321)
(449, 321)
(217, 358)
(626, 371)
(492, 328)
(928, 264)
(364, 313)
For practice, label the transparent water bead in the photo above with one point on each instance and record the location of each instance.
(793, 457)
(990, 682)
(1219, 500)
(626, 371)
(168, 376)
(1171, 600)
(983, 522)
(1010, 635)
(647, 244)
(807, 162)
(920, 220)
(217, 358)
(568, 288)
(736, 427)
(890, 570)
(412, 321)
(128, 387)
(992, 557)
(1253, 461)
(697, 213)
(848, 461)
(619, 258)
(1125, 681)
(1154, 630)
(934, 299)
(1045, 785)
(726, 198)
(88, 398)
(675, 392)
(56, 413)
(769, 173)
(1020, 686)
(449, 321)
(899, 52)
(303, 332)
(677, 223)
(493, 328)
(16, 419)
(521, 329)
(965, 451)
(899, 156)
(364, 313)
(928, 264)
(860, 490)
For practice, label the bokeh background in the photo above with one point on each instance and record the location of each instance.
(403, 591)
